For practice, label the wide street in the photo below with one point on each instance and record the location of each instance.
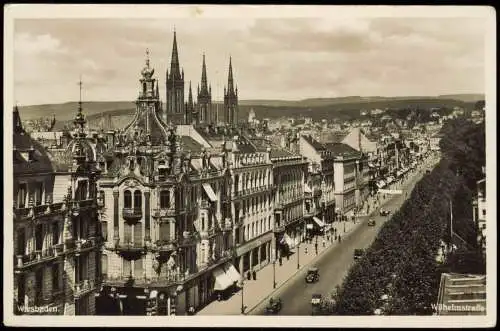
(334, 264)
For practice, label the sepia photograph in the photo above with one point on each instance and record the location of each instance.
(185, 165)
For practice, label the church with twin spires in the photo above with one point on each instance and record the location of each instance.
(202, 112)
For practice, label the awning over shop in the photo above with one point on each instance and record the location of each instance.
(318, 221)
(328, 227)
(231, 272)
(210, 192)
(222, 280)
(286, 240)
(307, 189)
(380, 184)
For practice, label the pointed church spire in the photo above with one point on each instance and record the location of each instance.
(16, 119)
(204, 75)
(230, 76)
(174, 64)
(190, 97)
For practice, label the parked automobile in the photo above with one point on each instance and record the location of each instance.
(371, 222)
(274, 306)
(384, 212)
(312, 275)
(358, 253)
(316, 303)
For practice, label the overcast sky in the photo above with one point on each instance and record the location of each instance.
(292, 58)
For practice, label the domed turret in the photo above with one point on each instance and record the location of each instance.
(147, 72)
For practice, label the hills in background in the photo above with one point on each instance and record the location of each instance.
(317, 108)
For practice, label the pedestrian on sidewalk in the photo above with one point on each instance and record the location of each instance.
(316, 247)
(249, 276)
(281, 261)
(254, 275)
(340, 238)
(288, 257)
(324, 244)
(305, 250)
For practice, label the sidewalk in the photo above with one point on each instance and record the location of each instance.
(256, 290)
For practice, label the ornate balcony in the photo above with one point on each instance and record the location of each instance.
(37, 211)
(132, 215)
(83, 245)
(83, 287)
(164, 212)
(151, 282)
(130, 250)
(165, 246)
(253, 190)
(39, 256)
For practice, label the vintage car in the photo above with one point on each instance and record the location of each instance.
(312, 275)
(371, 222)
(358, 253)
(316, 302)
(273, 307)
(384, 212)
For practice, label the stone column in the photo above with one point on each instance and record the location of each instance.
(241, 265)
(147, 217)
(116, 224)
(250, 253)
(259, 260)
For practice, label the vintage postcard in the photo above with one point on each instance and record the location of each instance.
(184, 165)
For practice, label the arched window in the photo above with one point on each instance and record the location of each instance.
(137, 199)
(127, 199)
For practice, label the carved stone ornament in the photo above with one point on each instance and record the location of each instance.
(131, 183)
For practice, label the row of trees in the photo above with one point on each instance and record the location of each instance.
(399, 274)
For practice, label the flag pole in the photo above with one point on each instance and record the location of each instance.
(451, 224)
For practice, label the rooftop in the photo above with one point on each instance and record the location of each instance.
(462, 294)
(340, 149)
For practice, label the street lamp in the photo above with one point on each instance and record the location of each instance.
(274, 273)
(242, 284)
(298, 256)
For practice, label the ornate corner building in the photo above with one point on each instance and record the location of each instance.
(56, 230)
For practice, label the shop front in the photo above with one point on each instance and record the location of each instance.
(256, 253)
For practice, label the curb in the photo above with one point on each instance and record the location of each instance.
(346, 234)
